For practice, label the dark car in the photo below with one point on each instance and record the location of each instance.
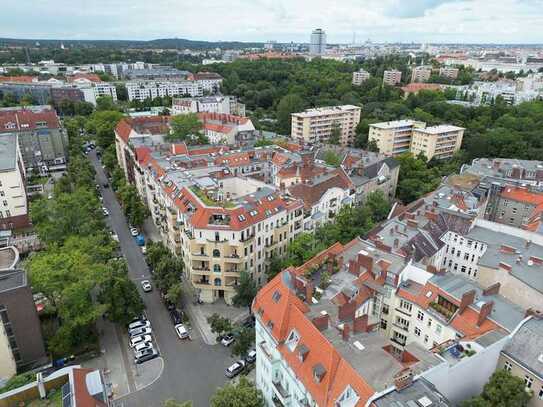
(105, 185)
(176, 317)
(170, 306)
(145, 355)
(249, 322)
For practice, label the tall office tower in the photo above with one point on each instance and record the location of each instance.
(318, 42)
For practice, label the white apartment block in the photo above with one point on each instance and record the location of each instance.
(360, 77)
(421, 74)
(209, 104)
(93, 90)
(448, 72)
(392, 77)
(397, 137)
(316, 125)
(141, 90)
(13, 203)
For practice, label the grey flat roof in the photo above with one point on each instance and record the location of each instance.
(526, 347)
(8, 151)
(530, 275)
(409, 396)
(504, 312)
(12, 280)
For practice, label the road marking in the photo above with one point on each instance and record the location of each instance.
(156, 378)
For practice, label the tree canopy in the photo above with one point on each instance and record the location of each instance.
(187, 128)
(242, 394)
(502, 390)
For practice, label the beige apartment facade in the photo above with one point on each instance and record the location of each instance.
(315, 126)
(392, 138)
(392, 77)
(421, 74)
(439, 142)
(359, 77)
(447, 72)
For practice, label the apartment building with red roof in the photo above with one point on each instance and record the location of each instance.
(380, 325)
(517, 206)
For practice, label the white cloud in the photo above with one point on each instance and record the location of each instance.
(507, 21)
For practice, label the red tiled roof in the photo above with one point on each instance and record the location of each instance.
(81, 394)
(89, 76)
(24, 120)
(20, 79)
(312, 193)
(522, 195)
(222, 117)
(417, 87)
(288, 313)
(234, 160)
(142, 125)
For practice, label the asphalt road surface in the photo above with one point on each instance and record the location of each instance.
(192, 369)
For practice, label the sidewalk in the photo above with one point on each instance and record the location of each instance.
(111, 359)
(198, 314)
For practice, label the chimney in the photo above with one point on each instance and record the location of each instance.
(361, 324)
(366, 261)
(485, 311)
(528, 243)
(492, 290)
(345, 332)
(505, 266)
(321, 322)
(354, 268)
(360, 171)
(536, 260)
(467, 300)
(309, 293)
(403, 379)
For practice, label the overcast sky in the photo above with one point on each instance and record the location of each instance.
(498, 21)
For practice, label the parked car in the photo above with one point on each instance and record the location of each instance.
(140, 339)
(105, 211)
(139, 323)
(170, 306)
(181, 331)
(134, 231)
(140, 331)
(228, 340)
(146, 286)
(249, 322)
(234, 369)
(251, 356)
(140, 240)
(143, 249)
(176, 317)
(105, 185)
(142, 346)
(145, 355)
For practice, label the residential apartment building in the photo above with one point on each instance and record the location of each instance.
(42, 141)
(392, 77)
(437, 142)
(21, 342)
(512, 258)
(374, 330)
(523, 358)
(222, 128)
(94, 89)
(13, 203)
(360, 76)
(393, 138)
(210, 81)
(516, 206)
(209, 104)
(421, 74)
(317, 125)
(150, 89)
(448, 72)
(397, 137)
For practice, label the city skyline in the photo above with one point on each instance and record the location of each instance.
(433, 21)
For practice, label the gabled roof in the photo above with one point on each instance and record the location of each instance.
(26, 119)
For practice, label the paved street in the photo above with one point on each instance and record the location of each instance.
(192, 370)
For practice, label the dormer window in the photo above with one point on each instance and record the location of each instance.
(318, 372)
(292, 340)
(302, 352)
(348, 398)
(241, 218)
(276, 296)
(253, 213)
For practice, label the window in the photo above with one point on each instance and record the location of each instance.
(216, 268)
(541, 393)
(528, 381)
(406, 305)
(429, 322)
(438, 329)
(383, 324)
(385, 309)
(292, 340)
(507, 366)
(5, 203)
(420, 316)
(216, 253)
(417, 331)
(425, 338)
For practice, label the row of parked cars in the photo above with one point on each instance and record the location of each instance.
(141, 340)
(237, 367)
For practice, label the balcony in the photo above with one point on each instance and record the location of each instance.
(200, 255)
(247, 238)
(233, 259)
(282, 396)
(398, 341)
(401, 326)
(202, 284)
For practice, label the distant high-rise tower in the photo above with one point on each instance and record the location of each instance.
(318, 42)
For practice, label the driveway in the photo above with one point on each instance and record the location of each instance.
(192, 370)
